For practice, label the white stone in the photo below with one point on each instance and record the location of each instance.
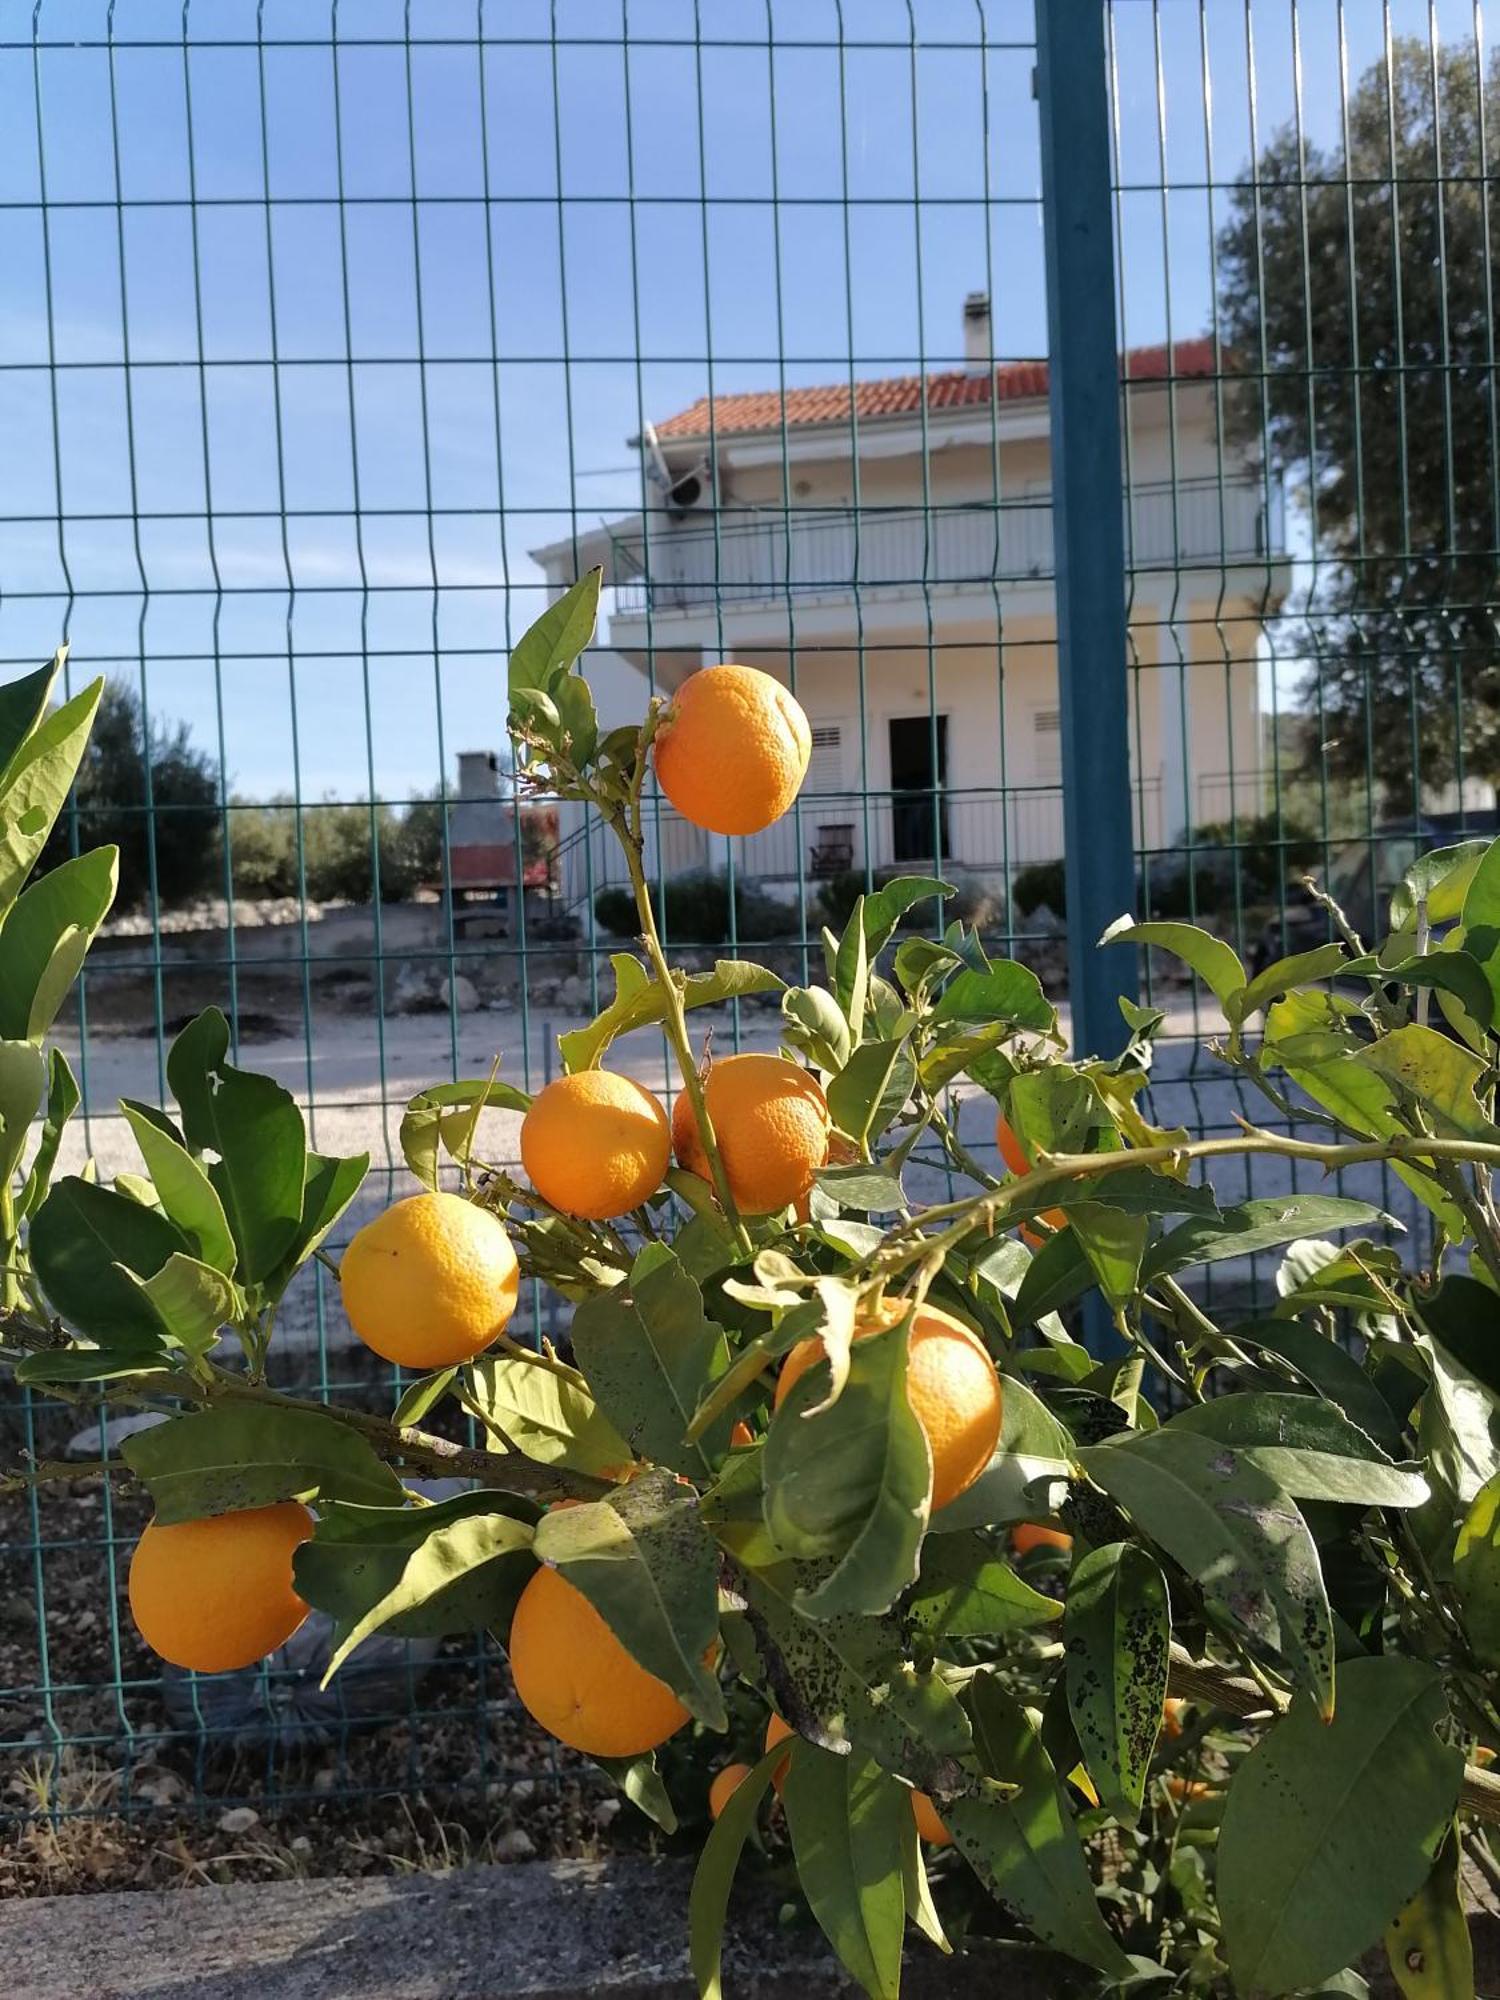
(238, 1819)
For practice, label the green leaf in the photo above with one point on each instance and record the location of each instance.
(194, 1300)
(1328, 1368)
(851, 1482)
(887, 905)
(1427, 1942)
(1007, 992)
(640, 1780)
(713, 1878)
(851, 971)
(547, 649)
(1476, 1572)
(545, 1415)
(183, 1188)
(1308, 1447)
(964, 1591)
(441, 1562)
(1118, 1635)
(330, 1183)
(1216, 963)
(79, 1235)
(73, 899)
(1303, 968)
(23, 703)
(1114, 1243)
(1331, 1828)
(1433, 1069)
(645, 1562)
(1236, 1533)
(359, 1556)
(579, 735)
(1253, 1226)
(651, 1358)
(23, 1078)
(815, 1025)
(1026, 1849)
(845, 1817)
(847, 1681)
(867, 1190)
(870, 1089)
(448, 1115)
(418, 1397)
(639, 1002)
(1059, 1273)
(37, 779)
(1133, 1191)
(91, 1364)
(195, 1055)
(1449, 970)
(219, 1461)
(1441, 879)
(1481, 917)
(62, 1101)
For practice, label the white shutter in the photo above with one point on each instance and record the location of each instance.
(1046, 746)
(825, 767)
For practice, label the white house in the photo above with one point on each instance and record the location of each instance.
(885, 547)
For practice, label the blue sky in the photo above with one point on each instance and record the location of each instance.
(274, 349)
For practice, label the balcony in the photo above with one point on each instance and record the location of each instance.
(748, 556)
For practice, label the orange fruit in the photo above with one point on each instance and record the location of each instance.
(575, 1678)
(778, 1731)
(726, 1783)
(741, 1434)
(217, 1593)
(1185, 1790)
(1028, 1535)
(430, 1281)
(732, 748)
(595, 1144)
(1172, 1710)
(951, 1384)
(929, 1826)
(1014, 1156)
(770, 1118)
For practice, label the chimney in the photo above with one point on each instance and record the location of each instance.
(978, 354)
(478, 774)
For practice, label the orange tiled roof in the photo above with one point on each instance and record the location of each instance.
(901, 395)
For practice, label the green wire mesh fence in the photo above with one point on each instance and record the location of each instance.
(332, 340)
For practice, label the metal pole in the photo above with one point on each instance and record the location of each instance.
(1087, 513)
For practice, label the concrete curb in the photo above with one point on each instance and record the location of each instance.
(567, 1930)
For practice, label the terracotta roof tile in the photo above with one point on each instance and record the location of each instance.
(901, 395)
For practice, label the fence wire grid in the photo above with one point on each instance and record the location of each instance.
(334, 340)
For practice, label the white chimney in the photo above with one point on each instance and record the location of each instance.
(478, 774)
(978, 354)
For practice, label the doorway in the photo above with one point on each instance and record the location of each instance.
(919, 803)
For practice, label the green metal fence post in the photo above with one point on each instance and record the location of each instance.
(1087, 511)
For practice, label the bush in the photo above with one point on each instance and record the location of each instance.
(697, 911)
(1256, 856)
(838, 895)
(1041, 882)
(336, 850)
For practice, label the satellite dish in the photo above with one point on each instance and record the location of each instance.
(681, 491)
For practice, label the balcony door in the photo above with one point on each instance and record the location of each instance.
(919, 803)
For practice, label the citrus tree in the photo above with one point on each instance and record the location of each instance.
(1185, 1656)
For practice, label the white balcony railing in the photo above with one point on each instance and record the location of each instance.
(748, 556)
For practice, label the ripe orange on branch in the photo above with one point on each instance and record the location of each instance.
(217, 1594)
(732, 749)
(1028, 1535)
(431, 1281)
(575, 1678)
(770, 1119)
(951, 1383)
(725, 1784)
(1014, 1155)
(595, 1144)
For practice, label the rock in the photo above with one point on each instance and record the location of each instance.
(522, 1790)
(103, 1441)
(238, 1819)
(514, 1846)
(461, 993)
(302, 1845)
(156, 1786)
(606, 1810)
(414, 990)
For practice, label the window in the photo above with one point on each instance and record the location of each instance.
(1046, 746)
(825, 769)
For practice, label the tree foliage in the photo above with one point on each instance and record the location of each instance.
(1355, 304)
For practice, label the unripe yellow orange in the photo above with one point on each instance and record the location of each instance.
(732, 748)
(217, 1594)
(770, 1119)
(951, 1384)
(596, 1144)
(726, 1783)
(431, 1281)
(576, 1679)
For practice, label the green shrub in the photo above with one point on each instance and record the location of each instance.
(336, 847)
(697, 911)
(1039, 883)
